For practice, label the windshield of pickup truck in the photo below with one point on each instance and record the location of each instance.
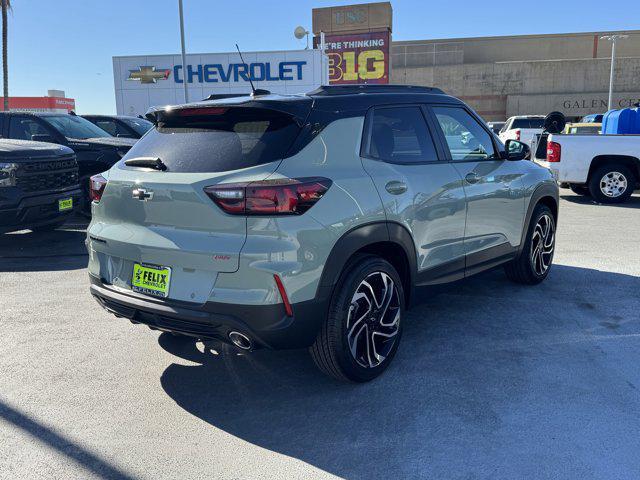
(528, 123)
(74, 127)
(140, 125)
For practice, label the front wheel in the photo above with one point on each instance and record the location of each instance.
(533, 263)
(362, 332)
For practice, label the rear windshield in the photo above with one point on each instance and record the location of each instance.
(528, 123)
(218, 139)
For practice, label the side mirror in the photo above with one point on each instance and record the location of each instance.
(515, 150)
(43, 137)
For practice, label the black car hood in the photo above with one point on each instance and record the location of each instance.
(103, 141)
(13, 150)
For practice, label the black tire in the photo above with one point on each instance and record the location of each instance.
(580, 189)
(522, 269)
(331, 351)
(611, 169)
(47, 228)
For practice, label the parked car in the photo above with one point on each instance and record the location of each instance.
(309, 220)
(593, 118)
(496, 126)
(582, 128)
(121, 125)
(522, 128)
(96, 150)
(38, 185)
(607, 167)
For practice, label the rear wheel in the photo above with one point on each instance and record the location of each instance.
(613, 183)
(579, 189)
(362, 332)
(533, 263)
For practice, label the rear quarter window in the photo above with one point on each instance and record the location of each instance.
(223, 139)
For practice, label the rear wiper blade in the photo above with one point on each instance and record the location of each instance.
(148, 162)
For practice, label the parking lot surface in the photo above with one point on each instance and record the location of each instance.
(492, 380)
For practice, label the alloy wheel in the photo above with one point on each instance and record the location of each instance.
(613, 184)
(542, 244)
(373, 321)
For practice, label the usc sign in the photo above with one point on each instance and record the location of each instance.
(358, 57)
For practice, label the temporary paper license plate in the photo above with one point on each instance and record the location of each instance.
(65, 204)
(151, 280)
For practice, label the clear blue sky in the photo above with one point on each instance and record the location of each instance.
(68, 44)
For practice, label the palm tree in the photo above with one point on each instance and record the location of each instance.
(6, 6)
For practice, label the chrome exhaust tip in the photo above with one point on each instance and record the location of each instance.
(240, 340)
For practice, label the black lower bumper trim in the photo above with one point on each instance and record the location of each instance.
(266, 325)
(38, 210)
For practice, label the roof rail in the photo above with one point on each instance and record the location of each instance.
(370, 88)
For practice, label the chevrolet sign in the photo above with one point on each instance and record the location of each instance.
(142, 81)
(148, 74)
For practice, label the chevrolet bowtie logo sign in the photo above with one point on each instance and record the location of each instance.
(148, 74)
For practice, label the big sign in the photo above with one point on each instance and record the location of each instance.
(358, 57)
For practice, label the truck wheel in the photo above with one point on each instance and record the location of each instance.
(580, 189)
(612, 183)
(533, 263)
(363, 329)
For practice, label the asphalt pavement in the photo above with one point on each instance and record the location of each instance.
(492, 380)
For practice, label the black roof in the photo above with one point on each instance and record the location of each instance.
(371, 88)
(35, 114)
(334, 98)
(132, 117)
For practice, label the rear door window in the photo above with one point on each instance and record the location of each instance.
(218, 139)
(400, 135)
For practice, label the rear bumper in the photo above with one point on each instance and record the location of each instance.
(36, 211)
(266, 325)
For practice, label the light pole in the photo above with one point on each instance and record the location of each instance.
(184, 55)
(613, 39)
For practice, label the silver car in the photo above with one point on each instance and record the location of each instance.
(312, 220)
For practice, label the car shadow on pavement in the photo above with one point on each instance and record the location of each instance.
(488, 374)
(633, 202)
(61, 249)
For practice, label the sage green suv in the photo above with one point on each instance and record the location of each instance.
(310, 220)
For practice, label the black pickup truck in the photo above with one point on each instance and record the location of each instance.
(96, 150)
(38, 185)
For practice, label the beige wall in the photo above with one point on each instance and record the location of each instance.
(499, 90)
(534, 74)
(515, 48)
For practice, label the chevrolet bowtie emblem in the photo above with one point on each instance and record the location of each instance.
(148, 74)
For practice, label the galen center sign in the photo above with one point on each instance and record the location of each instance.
(145, 81)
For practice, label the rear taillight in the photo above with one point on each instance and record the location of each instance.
(553, 152)
(96, 187)
(518, 134)
(289, 196)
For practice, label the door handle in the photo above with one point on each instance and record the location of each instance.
(472, 177)
(395, 187)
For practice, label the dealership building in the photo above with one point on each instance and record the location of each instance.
(498, 76)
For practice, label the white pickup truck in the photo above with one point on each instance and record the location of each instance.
(607, 167)
(522, 128)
